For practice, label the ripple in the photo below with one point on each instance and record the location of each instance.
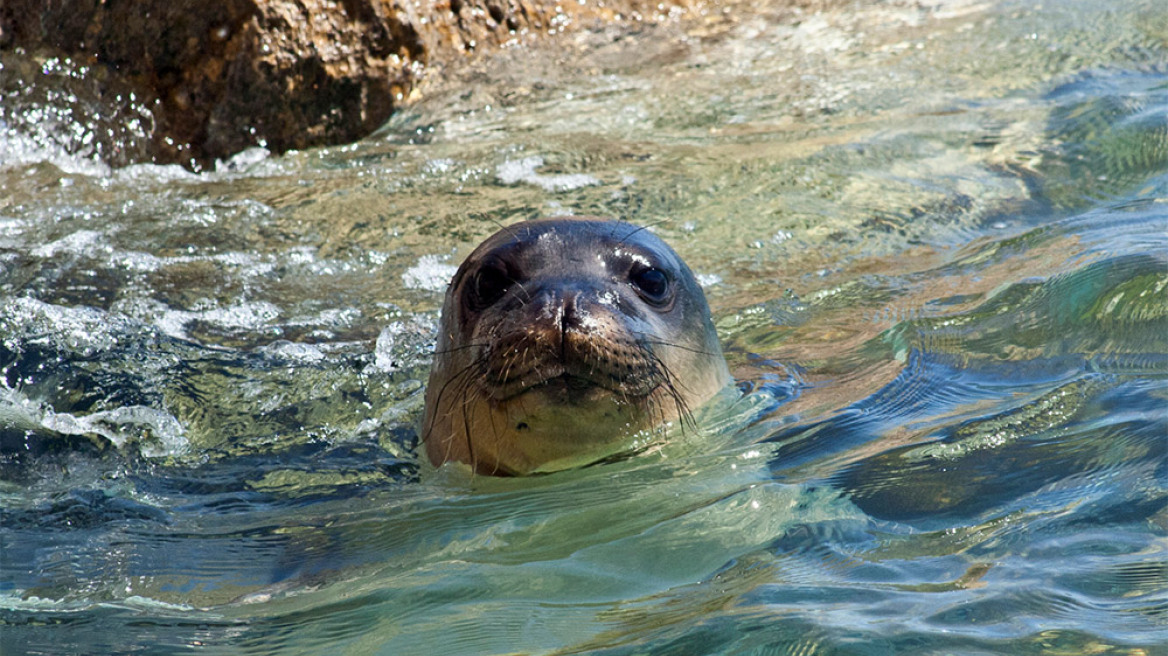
(1111, 136)
(954, 438)
(1068, 435)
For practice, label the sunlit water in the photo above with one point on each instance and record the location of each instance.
(935, 240)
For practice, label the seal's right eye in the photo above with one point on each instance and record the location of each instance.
(490, 283)
(652, 283)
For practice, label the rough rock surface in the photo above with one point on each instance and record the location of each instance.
(219, 77)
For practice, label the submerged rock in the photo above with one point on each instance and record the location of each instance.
(219, 77)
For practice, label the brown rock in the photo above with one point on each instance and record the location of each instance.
(286, 74)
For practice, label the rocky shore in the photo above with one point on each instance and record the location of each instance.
(211, 79)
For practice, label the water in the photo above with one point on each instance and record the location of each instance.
(935, 241)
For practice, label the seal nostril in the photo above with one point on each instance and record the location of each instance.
(521, 426)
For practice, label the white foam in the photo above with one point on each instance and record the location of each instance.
(780, 237)
(153, 174)
(708, 279)
(171, 321)
(121, 425)
(295, 351)
(18, 600)
(515, 171)
(156, 433)
(19, 150)
(523, 170)
(431, 273)
(82, 242)
(437, 166)
(242, 160)
(333, 318)
(137, 261)
(87, 332)
(383, 355)
(404, 344)
(83, 330)
(249, 315)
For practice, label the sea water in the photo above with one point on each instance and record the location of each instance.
(934, 237)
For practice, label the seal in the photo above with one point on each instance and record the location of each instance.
(562, 339)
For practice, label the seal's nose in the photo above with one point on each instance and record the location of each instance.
(564, 318)
(563, 307)
(568, 319)
(569, 310)
(564, 314)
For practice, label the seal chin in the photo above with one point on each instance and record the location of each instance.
(558, 425)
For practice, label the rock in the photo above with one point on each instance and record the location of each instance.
(219, 77)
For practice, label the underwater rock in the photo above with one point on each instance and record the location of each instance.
(284, 74)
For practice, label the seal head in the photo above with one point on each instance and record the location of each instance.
(561, 340)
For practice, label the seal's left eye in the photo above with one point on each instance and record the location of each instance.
(652, 283)
(489, 284)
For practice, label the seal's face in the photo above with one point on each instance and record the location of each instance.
(560, 340)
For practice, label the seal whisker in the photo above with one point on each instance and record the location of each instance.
(503, 227)
(455, 382)
(646, 226)
(505, 371)
(511, 230)
(464, 347)
(683, 412)
(466, 423)
(657, 342)
(459, 385)
(526, 294)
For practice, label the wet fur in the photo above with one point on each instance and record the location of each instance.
(609, 345)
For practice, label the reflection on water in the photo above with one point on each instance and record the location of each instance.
(934, 238)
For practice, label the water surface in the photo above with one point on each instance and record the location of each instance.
(935, 241)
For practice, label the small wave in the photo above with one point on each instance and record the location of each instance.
(403, 345)
(155, 433)
(82, 330)
(15, 601)
(17, 150)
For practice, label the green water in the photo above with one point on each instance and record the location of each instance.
(935, 242)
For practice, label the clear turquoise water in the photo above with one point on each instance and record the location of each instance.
(935, 240)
